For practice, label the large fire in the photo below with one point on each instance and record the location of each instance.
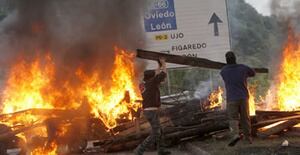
(25, 85)
(288, 84)
(119, 98)
(27, 88)
(30, 85)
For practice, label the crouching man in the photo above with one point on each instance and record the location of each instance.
(151, 104)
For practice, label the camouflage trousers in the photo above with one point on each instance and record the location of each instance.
(238, 113)
(156, 134)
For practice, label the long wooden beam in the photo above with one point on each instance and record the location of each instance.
(184, 60)
(278, 128)
(271, 121)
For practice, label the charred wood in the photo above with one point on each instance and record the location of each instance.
(171, 134)
(12, 133)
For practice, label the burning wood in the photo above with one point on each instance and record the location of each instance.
(173, 135)
(103, 107)
(9, 134)
(211, 122)
(175, 124)
(271, 121)
(287, 88)
(276, 128)
(31, 96)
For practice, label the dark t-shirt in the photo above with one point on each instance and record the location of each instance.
(150, 91)
(235, 78)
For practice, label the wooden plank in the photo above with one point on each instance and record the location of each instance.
(281, 113)
(267, 122)
(10, 134)
(184, 60)
(272, 114)
(202, 129)
(269, 115)
(170, 134)
(264, 133)
(145, 126)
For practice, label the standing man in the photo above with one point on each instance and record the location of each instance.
(235, 79)
(151, 104)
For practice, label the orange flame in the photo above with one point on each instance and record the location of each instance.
(31, 85)
(25, 86)
(216, 98)
(251, 101)
(51, 150)
(110, 104)
(25, 89)
(288, 97)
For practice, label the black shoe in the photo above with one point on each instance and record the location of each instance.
(164, 153)
(234, 140)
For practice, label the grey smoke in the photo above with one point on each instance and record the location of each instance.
(283, 8)
(76, 32)
(203, 89)
(287, 11)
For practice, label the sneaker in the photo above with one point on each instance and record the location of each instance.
(234, 140)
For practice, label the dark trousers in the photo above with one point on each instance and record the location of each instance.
(155, 136)
(238, 112)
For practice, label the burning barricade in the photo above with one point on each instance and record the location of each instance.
(42, 117)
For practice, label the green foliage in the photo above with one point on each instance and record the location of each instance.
(254, 37)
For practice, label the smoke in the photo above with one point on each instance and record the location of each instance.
(203, 89)
(75, 32)
(287, 11)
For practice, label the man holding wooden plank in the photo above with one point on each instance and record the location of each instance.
(151, 104)
(237, 95)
